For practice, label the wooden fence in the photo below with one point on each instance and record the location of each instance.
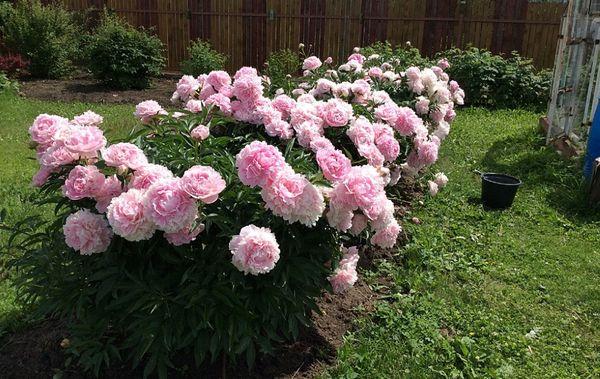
(248, 30)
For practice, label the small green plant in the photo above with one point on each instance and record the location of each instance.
(6, 84)
(279, 65)
(124, 57)
(202, 59)
(497, 82)
(45, 35)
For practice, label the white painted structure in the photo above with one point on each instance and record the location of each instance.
(576, 79)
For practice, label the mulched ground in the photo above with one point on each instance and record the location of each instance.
(83, 88)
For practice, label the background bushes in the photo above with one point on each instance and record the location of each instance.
(202, 59)
(46, 36)
(279, 64)
(489, 80)
(494, 81)
(122, 56)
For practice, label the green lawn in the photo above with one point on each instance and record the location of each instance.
(471, 285)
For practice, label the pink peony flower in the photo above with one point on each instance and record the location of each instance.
(258, 162)
(200, 132)
(248, 88)
(375, 72)
(203, 182)
(440, 179)
(338, 215)
(342, 89)
(321, 143)
(218, 79)
(194, 106)
(387, 236)
(361, 87)
(58, 155)
(389, 147)
(387, 112)
(422, 105)
(127, 218)
(83, 181)
(284, 104)
(41, 176)
(184, 236)
(147, 110)
(428, 151)
(147, 175)
(443, 63)
(279, 128)
(87, 233)
(245, 71)
(311, 63)
(357, 57)
(372, 153)
(255, 250)
(361, 132)
(186, 87)
(360, 188)
(407, 121)
(334, 164)
(220, 101)
(293, 197)
(111, 188)
(85, 141)
(88, 118)
(45, 127)
(336, 112)
(169, 206)
(124, 155)
(345, 275)
(433, 188)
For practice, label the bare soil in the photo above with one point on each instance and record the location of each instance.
(37, 353)
(84, 88)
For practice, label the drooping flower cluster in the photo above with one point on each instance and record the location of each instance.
(133, 198)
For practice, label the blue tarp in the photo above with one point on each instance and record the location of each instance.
(593, 145)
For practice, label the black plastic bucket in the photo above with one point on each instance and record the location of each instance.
(498, 190)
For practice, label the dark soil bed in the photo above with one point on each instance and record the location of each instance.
(83, 88)
(37, 353)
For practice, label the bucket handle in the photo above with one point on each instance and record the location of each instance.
(478, 172)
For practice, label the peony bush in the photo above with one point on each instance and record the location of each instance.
(212, 230)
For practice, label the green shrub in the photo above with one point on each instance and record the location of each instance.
(122, 56)
(46, 35)
(400, 56)
(203, 59)
(6, 84)
(496, 82)
(281, 63)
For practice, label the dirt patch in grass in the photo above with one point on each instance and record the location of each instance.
(83, 88)
(36, 352)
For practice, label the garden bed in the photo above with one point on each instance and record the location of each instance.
(37, 351)
(83, 88)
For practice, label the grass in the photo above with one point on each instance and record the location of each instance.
(489, 293)
(474, 294)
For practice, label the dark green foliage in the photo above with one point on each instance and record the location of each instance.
(122, 56)
(202, 59)
(45, 35)
(401, 57)
(279, 65)
(149, 302)
(497, 82)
